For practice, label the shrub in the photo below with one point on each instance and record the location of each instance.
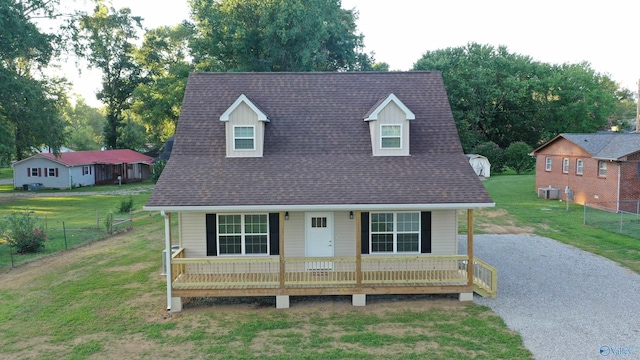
(21, 231)
(126, 205)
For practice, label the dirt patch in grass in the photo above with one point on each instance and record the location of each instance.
(498, 221)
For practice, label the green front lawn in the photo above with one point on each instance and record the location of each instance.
(108, 301)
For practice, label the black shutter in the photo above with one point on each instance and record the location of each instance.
(274, 234)
(212, 243)
(364, 233)
(425, 232)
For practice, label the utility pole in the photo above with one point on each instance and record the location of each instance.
(638, 109)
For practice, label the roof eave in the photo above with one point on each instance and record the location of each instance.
(333, 207)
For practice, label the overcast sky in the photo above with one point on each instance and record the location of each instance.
(605, 33)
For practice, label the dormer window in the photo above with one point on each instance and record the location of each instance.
(391, 136)
(244, 128)
(389, 122)
(244, 138)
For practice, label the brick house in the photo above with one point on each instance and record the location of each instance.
(290, 184)
(599, 168)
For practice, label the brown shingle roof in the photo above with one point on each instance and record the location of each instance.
(317, 147)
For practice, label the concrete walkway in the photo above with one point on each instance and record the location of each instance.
(566, 303)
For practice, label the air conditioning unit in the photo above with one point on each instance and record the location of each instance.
(549, 193)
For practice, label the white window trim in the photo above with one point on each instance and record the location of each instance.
(580, 167)
(243, 250)
(547, 163)
(244, 138)
(601, 168)
(34, 172)
(395, 233)
(565, 165)
(391, 137)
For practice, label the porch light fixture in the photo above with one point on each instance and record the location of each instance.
(286, 215)
(350, 214)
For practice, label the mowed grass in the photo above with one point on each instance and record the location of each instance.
(6, 173)
(108, 300)
(68, 221)
(517, 196)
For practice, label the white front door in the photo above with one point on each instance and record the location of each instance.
(319, 234)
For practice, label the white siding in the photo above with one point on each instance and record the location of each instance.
(244, 115)
(344, 234)
(294, 235)
(390, 115)
(193, 234)
(20, 173)
(444, 232)
(78, 178)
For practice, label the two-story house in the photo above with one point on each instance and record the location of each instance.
(601, 169)
(288, 184)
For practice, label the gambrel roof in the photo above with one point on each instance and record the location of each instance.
(317, 145)
(602, 146)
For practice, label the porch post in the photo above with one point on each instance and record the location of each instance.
(167, 240)
(358, 249)
(281, 252)
(470, 263)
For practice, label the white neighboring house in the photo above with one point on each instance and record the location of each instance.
(480, 165)
(81, 168)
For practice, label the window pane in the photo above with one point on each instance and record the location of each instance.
(244, 144)
(408, 222)
(243, 131)
(389, 143)
(229, 224)
(390, 130)
(255, 224)
(407, 242)
(230, 244)
(381, 242)
(255, 244)
(381, 222)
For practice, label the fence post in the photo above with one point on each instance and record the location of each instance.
(584, 217)
(11, 252)
(130, 219)
(111, 224)
(638, 210)
(621, 222)
(97, 220)
(64, 232)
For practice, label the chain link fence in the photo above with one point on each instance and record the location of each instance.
(615, 216)
(68, 234)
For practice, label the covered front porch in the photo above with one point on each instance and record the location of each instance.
(283, 276)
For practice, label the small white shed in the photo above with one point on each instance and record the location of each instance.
(480, 165)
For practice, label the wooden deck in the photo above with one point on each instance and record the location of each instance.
(418, 274)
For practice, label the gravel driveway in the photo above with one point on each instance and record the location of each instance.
(566, 303)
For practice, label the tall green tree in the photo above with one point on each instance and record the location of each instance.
(502, 97)
(165, 57)
(84, 126)
(276, 35)
(29, 104)
(105, 39)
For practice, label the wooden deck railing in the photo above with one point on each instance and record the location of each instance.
(412, 269)
(485, 278)
(264, 272)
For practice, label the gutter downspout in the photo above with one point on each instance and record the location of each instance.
(618, 195)
(167, 240)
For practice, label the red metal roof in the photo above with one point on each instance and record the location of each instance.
(110, 157)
